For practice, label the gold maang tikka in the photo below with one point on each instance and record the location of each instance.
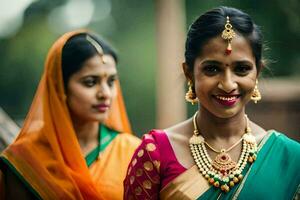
(97, 47)
(228, 34)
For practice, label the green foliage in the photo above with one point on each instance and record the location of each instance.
(280, 23)
(131, 28)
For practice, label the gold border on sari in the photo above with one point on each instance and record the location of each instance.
(191, 184)
(188, 185)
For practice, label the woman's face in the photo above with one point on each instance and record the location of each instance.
(224, 83)
(90, 90)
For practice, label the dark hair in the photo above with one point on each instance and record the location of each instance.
(78, 49)
(211, 24)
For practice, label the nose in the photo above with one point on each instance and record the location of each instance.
(103, 91)
(227, 82)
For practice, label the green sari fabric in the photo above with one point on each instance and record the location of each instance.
(106, 137)
(274, 175)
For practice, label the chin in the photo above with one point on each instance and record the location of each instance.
(101, 117)
(225, 113)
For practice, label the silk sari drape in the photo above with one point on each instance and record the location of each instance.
(46, 154)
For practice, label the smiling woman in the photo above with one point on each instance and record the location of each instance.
(223, 83)
(76, 141)
(219, 153)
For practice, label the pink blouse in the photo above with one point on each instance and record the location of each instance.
(152, 167)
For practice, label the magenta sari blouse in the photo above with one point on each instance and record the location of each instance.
(152, 167)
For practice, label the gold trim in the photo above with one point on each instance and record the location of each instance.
(188, 185)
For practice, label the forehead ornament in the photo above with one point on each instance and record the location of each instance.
(228, 34)
(97, 47)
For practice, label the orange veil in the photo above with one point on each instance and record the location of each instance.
(46, 153)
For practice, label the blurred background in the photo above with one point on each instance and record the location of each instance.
(149, 36)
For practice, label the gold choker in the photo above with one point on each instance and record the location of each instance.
(222, 172)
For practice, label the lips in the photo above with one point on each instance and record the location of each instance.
(227, 100)
(101, 107)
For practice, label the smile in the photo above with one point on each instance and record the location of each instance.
(227, 100)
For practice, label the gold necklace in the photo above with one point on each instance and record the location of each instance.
(222, 172)
(223, 150)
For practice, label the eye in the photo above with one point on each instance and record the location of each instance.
(242, 69)
(111, 80)
(89, 82)
(211, 70)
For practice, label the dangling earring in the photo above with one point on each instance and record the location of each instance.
(190, 96)
(256, 96)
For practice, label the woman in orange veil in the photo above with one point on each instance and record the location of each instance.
(76, 141)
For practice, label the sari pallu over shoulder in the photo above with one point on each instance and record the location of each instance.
(46, 153)
(274, 175)
(109, 171)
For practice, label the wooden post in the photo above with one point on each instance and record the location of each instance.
(170, 34)
(8, 130)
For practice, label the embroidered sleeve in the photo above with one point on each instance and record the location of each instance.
(143, 179)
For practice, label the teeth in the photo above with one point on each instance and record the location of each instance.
(226, 98)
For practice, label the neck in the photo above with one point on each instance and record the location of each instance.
(216, 128)
(86, 132)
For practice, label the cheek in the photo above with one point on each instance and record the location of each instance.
(113, 92)
(204, 85)
(79, 96)
(247, 86)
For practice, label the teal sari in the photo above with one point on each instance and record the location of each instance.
(274, 175)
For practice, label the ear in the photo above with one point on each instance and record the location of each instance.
(262, 65)
(187, 72)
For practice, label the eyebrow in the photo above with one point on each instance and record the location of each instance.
(114, 75)
(215, 62)
(244, 62)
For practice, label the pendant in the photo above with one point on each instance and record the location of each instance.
(223, 163)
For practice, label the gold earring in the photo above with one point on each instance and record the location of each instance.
(190, 96)
(256, 96)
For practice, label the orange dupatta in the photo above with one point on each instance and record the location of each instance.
(46, 153)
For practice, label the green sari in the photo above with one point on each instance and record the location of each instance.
(274, 175)
(106, 137)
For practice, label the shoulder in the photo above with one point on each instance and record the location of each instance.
(142, 180)
(128, 140)
(258, 131)
(182, 128)
(286, 147)
(148, 152)
(287, 143)
(180, 134)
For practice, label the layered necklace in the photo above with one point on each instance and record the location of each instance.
(222, 172)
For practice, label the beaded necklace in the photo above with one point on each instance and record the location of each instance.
(222, 172)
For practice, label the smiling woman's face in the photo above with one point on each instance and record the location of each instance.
(224, 83)
(90, 90)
